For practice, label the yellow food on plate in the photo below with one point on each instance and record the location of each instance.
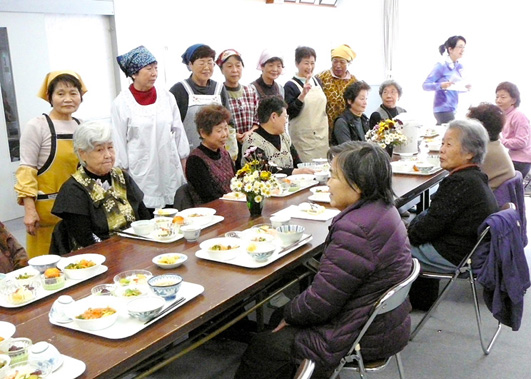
(415, 168)
(220, 247)
(179, 220)
(84, 263)
(53, 272)
(93, 313)
(21, 295)
(168, 259)
(251, 247)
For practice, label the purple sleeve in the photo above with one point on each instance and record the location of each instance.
(431, 82)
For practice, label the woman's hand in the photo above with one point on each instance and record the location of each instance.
(307, 87)
(445, 85)
(280, 326)
(31, 217)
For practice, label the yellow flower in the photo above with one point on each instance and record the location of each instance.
(265, 175)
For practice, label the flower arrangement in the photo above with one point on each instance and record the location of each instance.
(254, 179)
(387, 133)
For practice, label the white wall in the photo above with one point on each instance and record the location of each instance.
(168, 27)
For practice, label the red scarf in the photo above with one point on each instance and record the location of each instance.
(144, 97)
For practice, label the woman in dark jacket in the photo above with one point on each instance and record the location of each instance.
(352, 124)
(366, 253)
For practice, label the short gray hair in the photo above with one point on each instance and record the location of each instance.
(474, 138)
(89, 134)
(389, 83)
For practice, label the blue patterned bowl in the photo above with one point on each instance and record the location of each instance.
(166, 285)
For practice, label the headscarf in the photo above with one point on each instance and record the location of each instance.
(135, 60)
(267, 55)
(187, 55)
(43, 91)
(345, 52)
(226, 54)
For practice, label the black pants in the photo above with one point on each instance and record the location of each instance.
(523, 167)
(444, 117)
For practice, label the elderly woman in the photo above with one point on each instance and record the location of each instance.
(148, 134)
(199, 90)
(516, 133)
(99, 199)
(366, 253)
(335, 81)
(271, 139)
(271, 64)
(12, 254)
(446, 79)
(209, 168)
(308, 125)
(497, 163)
(443, 234)
(47, 157)
(353, 124)
(390, 92)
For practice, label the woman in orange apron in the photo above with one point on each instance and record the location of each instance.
(47, 157)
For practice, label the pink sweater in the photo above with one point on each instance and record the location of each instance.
(516, 135)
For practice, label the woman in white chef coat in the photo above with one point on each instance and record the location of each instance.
(148, 133)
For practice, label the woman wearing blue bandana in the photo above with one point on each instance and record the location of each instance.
(199, 90)
(149, 138)
(446, 79)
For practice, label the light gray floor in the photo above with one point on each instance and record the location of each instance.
(447, 346)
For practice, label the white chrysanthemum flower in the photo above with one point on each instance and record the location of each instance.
(248, 187)
(258, 199)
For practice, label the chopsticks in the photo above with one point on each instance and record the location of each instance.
(134, 235)
(299, 242)
(164, 311)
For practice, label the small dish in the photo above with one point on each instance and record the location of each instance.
(223, 248)
(18, 349)
(7, 330)
(81, 266)
(165, 212)
(43, 262)
(16, 293)
(53, 279)
(143, 227)
(132, 277)
(103, 290)
(132, 291)
(290, 233)
(260, 252)
(145, 308)
(280, 220)
(29, 369)
(191, 232)
(4, 364)
(166, 285)
(198, 216)
(169, 260)
(44, 351)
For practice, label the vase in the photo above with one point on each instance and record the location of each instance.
(254, 208)
(389, 149)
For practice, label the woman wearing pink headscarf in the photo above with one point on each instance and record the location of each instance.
(271, 64)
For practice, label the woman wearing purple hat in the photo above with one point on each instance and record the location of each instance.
(199, 90)
(148, 134)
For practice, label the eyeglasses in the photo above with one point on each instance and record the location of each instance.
(202, 63)
(460, 46)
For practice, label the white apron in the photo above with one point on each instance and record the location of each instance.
(309, 130)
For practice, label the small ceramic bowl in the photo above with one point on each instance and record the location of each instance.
(17, 293)
(132, 291)
(143, 227)
(165, 212)
(277, 221)
(96, 303)
(18, 349)
(223, 248)
(7, 330)
(289, 234)
(132, 277)
(27, 276)
(44, 351)
(260, 252)
(43, 262)
(169, 260)
(145, 308)
(191, 232)
(103, 290)
(52, 284)
(166, 285)
(80, 273)
(424, 167)
(25, 369)
(198, 216)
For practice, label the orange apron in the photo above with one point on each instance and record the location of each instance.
(61, 164)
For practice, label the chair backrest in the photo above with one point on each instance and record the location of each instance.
(512, 190)
(183, 197)
(390, 300)
(305, 370)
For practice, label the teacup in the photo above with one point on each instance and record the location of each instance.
(191, 232)
(164, 227)
(44, 351)
(321, 176)
(277, 221)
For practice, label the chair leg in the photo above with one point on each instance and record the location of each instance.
(486, 350)
(399, 364)
(432, 308)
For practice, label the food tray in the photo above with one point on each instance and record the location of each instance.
(70, 369)
(127, 326)
(41, 292)
(245, 260)
(294, 212)
(407, 169)
(288, 193)
(215, 219)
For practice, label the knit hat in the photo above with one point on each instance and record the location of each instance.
(345, 52)
(135, 60)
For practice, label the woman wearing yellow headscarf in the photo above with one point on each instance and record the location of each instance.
(47, 157)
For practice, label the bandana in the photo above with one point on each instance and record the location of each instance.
(267, 55)
(226, 54)
(43, 92)
(189, 52)
(345, 52)
(135, 60)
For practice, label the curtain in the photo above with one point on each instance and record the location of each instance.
(390, 24)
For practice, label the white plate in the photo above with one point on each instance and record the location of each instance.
(204, 218)
(406, 167)
(243, 259)
(320, 190)
(42, 293)
(234, 196)
(301, 178)
(181, 258)
(127, 326)
(215, 219)
(288, 193)
(70, 369)
(320, 198)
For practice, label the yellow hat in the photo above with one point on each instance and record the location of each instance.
(43, 92)
(343, 51)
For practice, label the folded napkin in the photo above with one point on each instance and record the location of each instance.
(295, 211)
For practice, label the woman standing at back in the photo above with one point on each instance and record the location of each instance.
(446, 79)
